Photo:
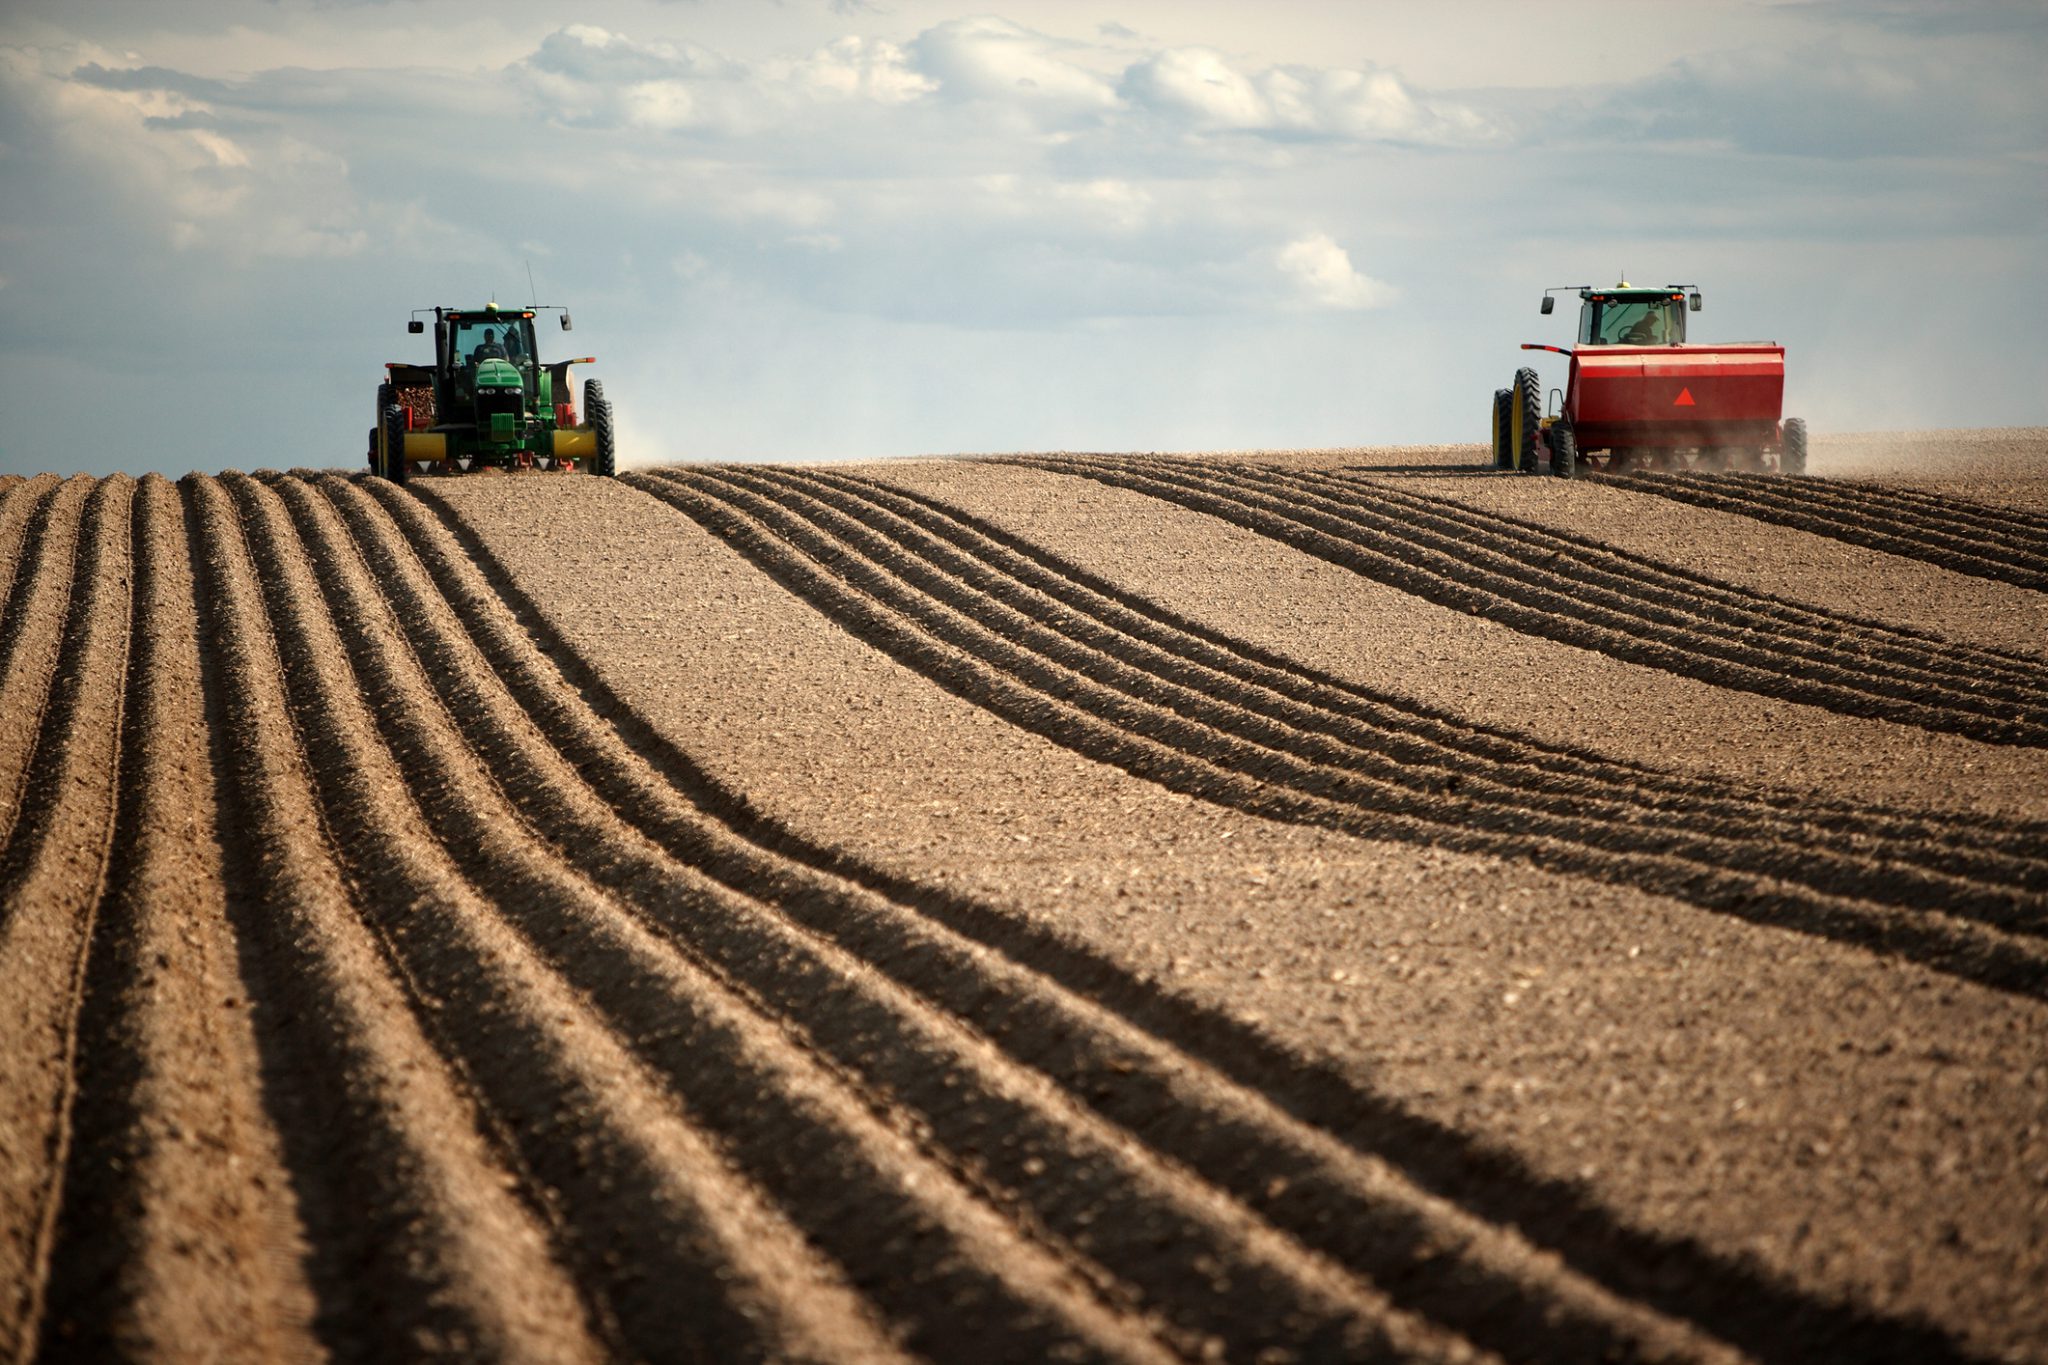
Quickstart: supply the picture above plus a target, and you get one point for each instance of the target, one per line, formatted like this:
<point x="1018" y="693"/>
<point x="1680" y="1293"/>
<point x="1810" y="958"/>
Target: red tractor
<point x="1640" y="397"/>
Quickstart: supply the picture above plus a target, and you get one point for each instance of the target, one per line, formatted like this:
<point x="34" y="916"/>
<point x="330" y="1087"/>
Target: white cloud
<point x="868" y="68"/>
<point x="259" y="192"/>
<point x="1323" y="277"/>
<point x="998" y="61"/>
<point x="1202" y="90"/>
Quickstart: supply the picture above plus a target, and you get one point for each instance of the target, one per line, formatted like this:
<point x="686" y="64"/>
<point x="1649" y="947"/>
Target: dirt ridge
<point x="53" y="869"/>
<point x="886" y="954"/>
<point x="2010" y="545"/>
<point x="1436" y="567"/>
<point x="392" y="989"/>
<point x="1034" y="582"/>
<point x="1044" y="693"/>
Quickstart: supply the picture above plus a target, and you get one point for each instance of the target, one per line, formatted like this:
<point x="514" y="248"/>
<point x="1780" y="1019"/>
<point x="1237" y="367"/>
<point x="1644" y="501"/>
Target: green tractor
<point x="487" y="402"/>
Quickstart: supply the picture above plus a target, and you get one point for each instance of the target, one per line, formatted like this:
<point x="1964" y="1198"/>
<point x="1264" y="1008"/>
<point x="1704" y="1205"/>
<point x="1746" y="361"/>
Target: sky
<point x="825" y="229"/>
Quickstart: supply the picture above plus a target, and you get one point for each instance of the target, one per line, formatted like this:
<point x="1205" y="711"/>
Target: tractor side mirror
<point x="1548" y="303"/>
<point x="1692" y="300"/>
<point x="567" y="326"/>
<point x="415" y="326"/>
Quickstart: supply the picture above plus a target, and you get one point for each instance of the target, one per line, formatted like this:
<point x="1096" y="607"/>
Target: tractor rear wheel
<point x="395" y="465"/>
<point x="1564" y="449"/>
<point x="598" y="412"/>
<point x="1527" y="405"/>
<point x="386" y="396"/>
<point x="1793" y="459"/>
<point x="1503" y="453"/>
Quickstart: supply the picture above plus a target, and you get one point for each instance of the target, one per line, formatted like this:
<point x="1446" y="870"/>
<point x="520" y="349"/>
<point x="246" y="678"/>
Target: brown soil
<point x="1290" y="906"/>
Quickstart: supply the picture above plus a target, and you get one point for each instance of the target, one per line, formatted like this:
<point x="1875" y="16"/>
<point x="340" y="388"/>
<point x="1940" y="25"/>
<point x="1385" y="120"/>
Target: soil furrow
<point x="1057" y="703"/>
<point x="1707" y="603"/>
<point x="1714" y="618"/>
<point x="1416" y="733"/>
<point x="1957" y="521"/>
<point x="1221" y="732"/>
<point x="416" y="1244"/>
<point x="687" y="1256"/>
<point x="2030" y="526"/>
<point x="1869" y="524"/>
<point x="177" y="1215"/>
<point x="1132" y="640"/>
<point x="1449" y="581"/>
<point x="1032" y="1145"/>
<point x="1117" y="1204"/>
<point x="849" y="1183"/>
<point x="52" y="872"/>
<point x="31" y="633"/>
<point x="1941" y="522"/>
<point x="984" y="962"/>
<point x="23" y="503"/>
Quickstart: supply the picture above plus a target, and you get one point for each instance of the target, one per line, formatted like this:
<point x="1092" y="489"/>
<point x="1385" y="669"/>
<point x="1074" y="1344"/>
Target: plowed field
<point x="1304" y="906"/>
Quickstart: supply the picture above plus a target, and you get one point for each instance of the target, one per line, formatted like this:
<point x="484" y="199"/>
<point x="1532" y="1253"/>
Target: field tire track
<point x="416" y="1244"/>
<point x="169" y="1132"/>
<point x="53" y="868"/>
<point x="1912" y="525"/>
<point x="1322" y="724"/>
<point x="1446" y="579"/>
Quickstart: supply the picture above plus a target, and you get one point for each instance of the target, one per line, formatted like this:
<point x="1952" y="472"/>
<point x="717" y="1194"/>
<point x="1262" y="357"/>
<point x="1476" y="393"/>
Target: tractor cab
<point x="1627" y="316"/>
<point x="466" y="344"/>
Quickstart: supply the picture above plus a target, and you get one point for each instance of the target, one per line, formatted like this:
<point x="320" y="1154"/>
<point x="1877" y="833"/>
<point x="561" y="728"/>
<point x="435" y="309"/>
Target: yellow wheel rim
<point x="1515" y="432"/>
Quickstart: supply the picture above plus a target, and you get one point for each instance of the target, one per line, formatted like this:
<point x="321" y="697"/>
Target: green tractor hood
<point x="497" y="374"/>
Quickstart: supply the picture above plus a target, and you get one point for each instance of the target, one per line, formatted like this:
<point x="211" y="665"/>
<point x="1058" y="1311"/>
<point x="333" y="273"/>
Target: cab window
<point x="474" y="339"/>
<point x="1631" y="322"/>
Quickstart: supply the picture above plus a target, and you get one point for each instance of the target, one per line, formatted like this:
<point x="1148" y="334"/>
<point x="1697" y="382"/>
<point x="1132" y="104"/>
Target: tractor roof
<point x="1635" y="291"/>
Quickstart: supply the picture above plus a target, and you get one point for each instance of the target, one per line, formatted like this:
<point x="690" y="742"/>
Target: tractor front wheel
<point x="1503" y="453"/>
<point x="598" y="412"/>
<point x="1527" y="412"/>
<point x="1564" y="449"/>
<point x="1793" y="459"/>
<point x="395" y="466"/>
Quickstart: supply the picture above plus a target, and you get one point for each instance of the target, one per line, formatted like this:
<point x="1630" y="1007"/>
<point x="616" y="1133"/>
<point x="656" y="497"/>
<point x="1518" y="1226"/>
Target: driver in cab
<point x="1647" y="330"/>
<point x="488" y="349"/>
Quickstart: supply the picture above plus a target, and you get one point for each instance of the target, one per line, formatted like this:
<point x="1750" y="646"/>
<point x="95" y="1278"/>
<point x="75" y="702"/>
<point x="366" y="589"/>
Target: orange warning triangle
<point x="1684" y="399"/>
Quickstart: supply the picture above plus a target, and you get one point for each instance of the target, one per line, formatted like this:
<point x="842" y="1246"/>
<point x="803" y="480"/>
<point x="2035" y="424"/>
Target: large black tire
<point x="386" y="396"/>
<point x="1793" y="459"/>
<point x="1527" y="404"/>
<point x="1503" y="453"/>
<point x="598" y="412"/>
<point x="1564" y="449"/>
<point x="395" y="466"/>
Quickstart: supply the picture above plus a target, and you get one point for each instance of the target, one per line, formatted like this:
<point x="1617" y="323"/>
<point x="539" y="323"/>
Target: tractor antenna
<point x="531" y="293"/>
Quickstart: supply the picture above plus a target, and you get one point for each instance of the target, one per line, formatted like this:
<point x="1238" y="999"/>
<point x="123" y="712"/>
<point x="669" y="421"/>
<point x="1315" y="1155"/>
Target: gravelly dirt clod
<point x="1285" y="906"/>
